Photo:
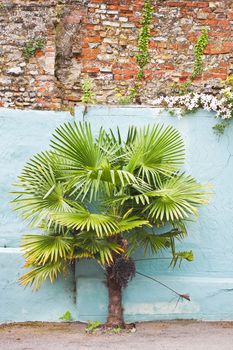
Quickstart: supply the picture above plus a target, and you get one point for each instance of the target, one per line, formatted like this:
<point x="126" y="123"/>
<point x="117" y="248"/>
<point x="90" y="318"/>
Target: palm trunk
<point x="115" y="310"/>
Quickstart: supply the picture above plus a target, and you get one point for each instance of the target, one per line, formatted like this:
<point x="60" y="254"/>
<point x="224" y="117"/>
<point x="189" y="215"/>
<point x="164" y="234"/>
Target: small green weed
<point x="92" y="326"/>
<point x="66" y="316"/>
<point x="32" y="47"/>
<point x="88" y="96"/>
<point x="117" y="330"/>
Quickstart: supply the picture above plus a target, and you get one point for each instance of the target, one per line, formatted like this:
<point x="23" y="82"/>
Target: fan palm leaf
<point x="42" y="193"/>
<point x="176" y="199"/>
<point x="36" y="277"/>
<point x="154" y="151"/>
<point x="42" y="249"/>
<point x="91" y="161"/>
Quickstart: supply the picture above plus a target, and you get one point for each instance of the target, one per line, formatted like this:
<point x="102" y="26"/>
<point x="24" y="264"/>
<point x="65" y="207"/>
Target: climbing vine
<point x="143" y="56"/>
<point x="199" y="48"/>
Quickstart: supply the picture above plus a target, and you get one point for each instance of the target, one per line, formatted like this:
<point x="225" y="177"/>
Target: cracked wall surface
<point x="99" y="39"/>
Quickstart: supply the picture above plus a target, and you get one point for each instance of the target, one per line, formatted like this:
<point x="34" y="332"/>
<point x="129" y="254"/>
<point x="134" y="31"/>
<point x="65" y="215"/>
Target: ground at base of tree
<point x="173" y="335"/>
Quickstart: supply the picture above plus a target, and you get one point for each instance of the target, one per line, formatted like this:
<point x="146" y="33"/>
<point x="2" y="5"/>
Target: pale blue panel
<point x="22" y="134"/>
<point x="19" y="304"/>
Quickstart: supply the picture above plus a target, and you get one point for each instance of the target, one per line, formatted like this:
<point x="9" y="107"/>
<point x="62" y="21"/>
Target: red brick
<point x="176" y="3"/>
<point x="214" y="76"/>
<point x="166" y="66"/>
<point x="72" y="98"/>
<point x="218" y="70"/>
<point x="39" y="53"/>
<point x="218" y="22"/>
<point x="197" y="4"/>
<point x="90" y="70"/>
<point x="88" y="54"/>
<point x="217" y="50"/>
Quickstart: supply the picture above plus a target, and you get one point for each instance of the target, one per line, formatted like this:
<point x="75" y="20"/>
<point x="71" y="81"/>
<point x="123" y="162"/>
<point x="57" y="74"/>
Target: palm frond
<point x="100" y="249"/>
<point x="147" y="240"/>
<point x="131" y="223"/>
<point x="103" y="225"/>
<point x="41" y="192"/>
<point x="37" y="276"/>
<point x="43" y="249"/>
<point x="154" y="151"/>
<point x="181" y="256"/>
<point x="177" y="198"/>
<point x="91" y="161"/>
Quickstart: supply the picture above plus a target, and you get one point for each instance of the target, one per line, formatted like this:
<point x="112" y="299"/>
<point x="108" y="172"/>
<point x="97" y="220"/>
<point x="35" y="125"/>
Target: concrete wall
<point x="22" y="133"/>
<point x="208" y="280"/>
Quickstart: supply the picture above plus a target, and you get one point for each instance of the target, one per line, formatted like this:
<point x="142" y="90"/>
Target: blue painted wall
<point x="22" y="133"/>
<point x="208" y="280"/>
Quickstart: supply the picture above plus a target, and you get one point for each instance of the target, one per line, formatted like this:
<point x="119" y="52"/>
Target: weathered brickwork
<point x="99" y="39"/>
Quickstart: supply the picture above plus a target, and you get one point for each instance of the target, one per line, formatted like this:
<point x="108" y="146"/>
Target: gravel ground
<point x="176" y="335"/>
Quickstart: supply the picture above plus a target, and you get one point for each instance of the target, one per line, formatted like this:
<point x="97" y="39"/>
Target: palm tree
<point x="103" y="198"/>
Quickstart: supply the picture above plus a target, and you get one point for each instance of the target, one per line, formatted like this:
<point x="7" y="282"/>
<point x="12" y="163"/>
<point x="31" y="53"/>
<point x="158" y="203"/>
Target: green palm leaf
<point x="42" y="249"/>
<point x="36" y="277"/>
<point x="154" y="151"/>
<point x="89" y="193"/>
<point x="42" y="193"/>
<point x="147" y="240"/>
<point x="177" y="198"/>
<point x="100" y="249"/>
<point x="91" y="161"/>
<point x="83" y="220"/>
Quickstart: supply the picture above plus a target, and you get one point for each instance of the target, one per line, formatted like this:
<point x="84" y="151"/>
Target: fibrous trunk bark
<point x="115" y="310"/>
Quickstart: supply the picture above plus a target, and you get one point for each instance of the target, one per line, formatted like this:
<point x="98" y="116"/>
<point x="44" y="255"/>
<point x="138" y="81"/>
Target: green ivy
<point x="199" y="48"/>
<point x="32" y="47"/>
<point x="220" y="127"/>
<point x="143" y="57"/>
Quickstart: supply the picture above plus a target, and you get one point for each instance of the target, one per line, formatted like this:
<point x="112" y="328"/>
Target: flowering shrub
<point x="221" y="104"/>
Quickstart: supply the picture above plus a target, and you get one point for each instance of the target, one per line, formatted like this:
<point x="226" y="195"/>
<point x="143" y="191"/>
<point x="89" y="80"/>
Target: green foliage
<point x="116" y="330"/>
<point x="220" y="127"/>
<point x="200" y="46"/>
<point x="143" y="57"/>
<point x="88" y="96"/>
<point x="124" y="99"/>
<point x="92" y="326"/>
<point x="90" y="194"/>
<point x="66" y="316"/>
<point x="180" y="256"/>
<point x="227" y="85"/>
<point x="129" y="97"/>
<point x="33" y="45"/>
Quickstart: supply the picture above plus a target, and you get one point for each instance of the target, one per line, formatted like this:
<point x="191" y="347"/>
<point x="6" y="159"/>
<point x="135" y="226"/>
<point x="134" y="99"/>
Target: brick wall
<point x="99" y="39"/>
